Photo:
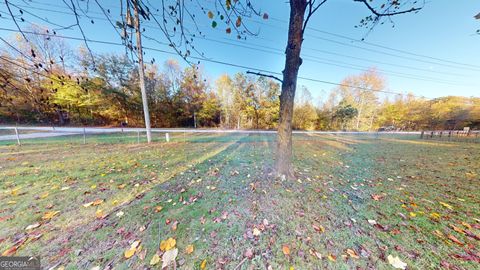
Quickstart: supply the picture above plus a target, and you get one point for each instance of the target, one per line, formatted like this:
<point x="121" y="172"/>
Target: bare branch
<point x="264" y="75"/>
<point x="14" y="20"/>
<point x="383" y="14"/>
<point x="311" y="9"/>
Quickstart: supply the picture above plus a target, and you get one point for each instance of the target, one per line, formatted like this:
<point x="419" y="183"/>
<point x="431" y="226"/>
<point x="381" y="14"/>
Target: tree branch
<point x="311" y="9"/>
<point x="14" y="20"/>
<point x="380" y="14"/>
<point x="264" y="75"/>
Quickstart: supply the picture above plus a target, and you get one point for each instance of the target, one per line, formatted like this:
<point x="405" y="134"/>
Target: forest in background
<point x="52" y="84"/>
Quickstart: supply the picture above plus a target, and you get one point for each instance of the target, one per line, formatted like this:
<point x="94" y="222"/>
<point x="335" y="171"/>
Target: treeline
<point x="45" y="82"/>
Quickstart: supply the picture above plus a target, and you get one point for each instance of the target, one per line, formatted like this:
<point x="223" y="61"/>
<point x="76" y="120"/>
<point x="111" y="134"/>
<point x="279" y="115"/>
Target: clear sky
<point x="407" y="55"/>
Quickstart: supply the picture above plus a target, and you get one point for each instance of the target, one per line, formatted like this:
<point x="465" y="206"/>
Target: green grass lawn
<point x="356" y="200"/>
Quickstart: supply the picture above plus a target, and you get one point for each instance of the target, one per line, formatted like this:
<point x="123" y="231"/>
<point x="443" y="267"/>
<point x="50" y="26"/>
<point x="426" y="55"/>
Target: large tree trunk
<point x="289" y="85"/>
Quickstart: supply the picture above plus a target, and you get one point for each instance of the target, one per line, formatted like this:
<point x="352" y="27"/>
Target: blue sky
<point x="444" y="29"/>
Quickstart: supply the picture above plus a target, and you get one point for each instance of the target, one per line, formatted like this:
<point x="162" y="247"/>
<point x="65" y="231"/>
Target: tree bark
<point x="289" y="85"/>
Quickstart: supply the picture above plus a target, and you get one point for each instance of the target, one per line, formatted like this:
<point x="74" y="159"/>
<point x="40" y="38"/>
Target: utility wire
<point x="224" y="63"/>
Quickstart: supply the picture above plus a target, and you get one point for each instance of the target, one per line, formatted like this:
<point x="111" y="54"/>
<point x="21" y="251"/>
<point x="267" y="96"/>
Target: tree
<point x="300" y="13"/>
<point x="344" y="113"/>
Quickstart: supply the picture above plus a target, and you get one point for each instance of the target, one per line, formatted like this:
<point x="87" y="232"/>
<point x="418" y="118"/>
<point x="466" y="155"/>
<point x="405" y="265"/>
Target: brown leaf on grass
<point x="455" y="240"/>
<point x="471" y="234"/>
<point x="158" y="209"/>
<point x="318" y="228"/>
<point x="315" y="253"/>
<point x="455" y="228"/>
<point x="377" y="197"/>
<point x="15" y="247"/>
<point x="286" y="250"/>
<point x="352" y="253"/>
<point x="189" y="249"/>
<point x="332" y="257"/>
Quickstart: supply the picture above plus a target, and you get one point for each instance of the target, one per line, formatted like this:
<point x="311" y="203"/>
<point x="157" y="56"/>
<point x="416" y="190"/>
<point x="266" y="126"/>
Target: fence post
<point x="138" y="136"/>
<point x="84" y="136"/>
<point x="18" y="136"/>
<point x="431" y="134"/>
<point x="167" y="137"/>
<point x="421" y="134"/>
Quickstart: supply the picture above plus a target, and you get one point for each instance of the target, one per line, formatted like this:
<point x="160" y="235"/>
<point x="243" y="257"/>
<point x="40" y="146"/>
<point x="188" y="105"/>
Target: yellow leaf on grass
<point x="168" y="244"/>
<point x="14" y="192"/>
<point x="50" y="214"/>
<point x="256" y="232"/>
<point x="189" y="249"/>
<point x="203" y="264"/>
<point x="155" y="259"/>
<point x="158" y="209"/>
<point x="286" y="250"/>
<point x="44" y="195"/>
<point x="122" y="186"/>
<point x="332" y="257"/>
<point x="446" y="205"/>
<point x="412" y="214"/>
<point x="435" y="215"/>
<point x="99" y="213"/>
<point x="129" y="253"/>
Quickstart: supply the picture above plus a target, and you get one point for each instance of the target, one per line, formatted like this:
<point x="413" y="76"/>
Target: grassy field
<point x="356" y="202"/>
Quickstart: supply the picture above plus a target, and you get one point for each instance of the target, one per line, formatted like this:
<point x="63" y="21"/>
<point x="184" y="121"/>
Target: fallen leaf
<point x="332" y="257"/>
<point x="33" y="226"/>
<point x="286" y="250"/>
<point x="129" y="253"/>
<point x="455" y="240"/>
<point x="168" y="244"/>
<point x="50" y="214"/>
<point x="203" y="264"/>
<point x="155" y="259"/>
<point x="446" y="205"/>
<point x="318" y="228"/>
<point x="256" y="232"/>
<point x="189" y="249"/>
<point x="352" y="253"/>
<point x="97" y="202"/>
<point x="372" y="222"/>
<point x="396" y="262"/>
<point x="169" y="257"/>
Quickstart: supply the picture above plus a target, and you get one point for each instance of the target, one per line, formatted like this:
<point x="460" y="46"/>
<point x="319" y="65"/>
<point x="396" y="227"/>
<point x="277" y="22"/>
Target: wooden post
<point x="141" y="71"/>
<point x="84" y="136"/>
<point x="138" y="136"/>
<point x="18" y="136"/>
<point x="421" y="134"/>
<point x="167" y="137"/>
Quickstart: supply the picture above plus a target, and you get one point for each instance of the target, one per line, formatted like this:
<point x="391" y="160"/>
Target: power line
<point x="331" y="62"/>
<point x="223" y="63"/>
<point x="470" y="67"/>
